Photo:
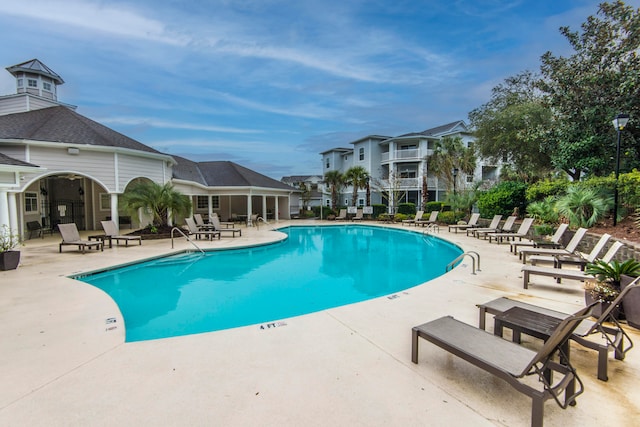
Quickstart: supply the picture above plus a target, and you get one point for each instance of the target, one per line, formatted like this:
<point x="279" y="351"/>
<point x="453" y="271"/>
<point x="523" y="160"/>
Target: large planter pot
<point x="631" y="302"/>
<point x="9" y="260"/>
<point x="600" y="307"/>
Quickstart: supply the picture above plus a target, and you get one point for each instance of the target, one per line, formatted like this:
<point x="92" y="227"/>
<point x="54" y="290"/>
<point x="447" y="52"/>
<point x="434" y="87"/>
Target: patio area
<point x="63" y="364"/>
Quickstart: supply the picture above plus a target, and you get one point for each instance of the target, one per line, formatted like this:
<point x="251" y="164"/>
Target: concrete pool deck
<point x="63" y="364"/>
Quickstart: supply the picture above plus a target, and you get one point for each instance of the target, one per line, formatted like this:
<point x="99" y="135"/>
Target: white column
<point x="114" y="211"/>
<point x="264" y="207"/>
<point x="4" y="208"/>
<point x="13" y="212"/>
<point x="209" y="203"/>
<point x="276" y="211"/>
<point x="249" y="210"/>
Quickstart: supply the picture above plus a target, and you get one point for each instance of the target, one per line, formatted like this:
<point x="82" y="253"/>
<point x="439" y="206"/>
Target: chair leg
<point x="603" y="356"/>
<point x="537" y="411"/>
<point x="414" y="346"/>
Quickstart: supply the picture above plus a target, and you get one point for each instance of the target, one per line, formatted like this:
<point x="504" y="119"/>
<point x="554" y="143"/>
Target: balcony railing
<point x="414" y="154"/>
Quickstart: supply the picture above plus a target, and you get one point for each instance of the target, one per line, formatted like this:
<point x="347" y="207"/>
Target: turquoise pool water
<point x="315" y="268"/>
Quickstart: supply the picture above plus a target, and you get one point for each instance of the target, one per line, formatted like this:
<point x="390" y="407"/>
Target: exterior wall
<point x="93" y="164"/>
<point x="131" y="167"/>
<point x="23" y="102"/>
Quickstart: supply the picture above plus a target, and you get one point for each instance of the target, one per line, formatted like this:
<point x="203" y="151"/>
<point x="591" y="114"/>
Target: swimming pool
<point x="315" y="268"/>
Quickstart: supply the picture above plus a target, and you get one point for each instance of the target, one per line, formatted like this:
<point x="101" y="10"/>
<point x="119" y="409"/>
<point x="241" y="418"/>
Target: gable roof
<point x="36" y="67"/>
<point x="10" y="161"/>
<point x="62" y="125"/>
<point x="441" y="130"/>
<point x="223" y="174"/>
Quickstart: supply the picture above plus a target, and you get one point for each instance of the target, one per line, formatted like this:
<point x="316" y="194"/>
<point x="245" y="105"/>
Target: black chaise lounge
<point x="595" y="335"/>
<point x="509" y="361"/>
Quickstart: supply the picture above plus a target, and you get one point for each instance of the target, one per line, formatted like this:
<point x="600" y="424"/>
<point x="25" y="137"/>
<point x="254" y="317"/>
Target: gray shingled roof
<point x="60" y="124"/>
<point x="438" y="130"/>
<point x="223" y="174"/>
<point x="37" y="67"/>
<point x="6" y="160"/>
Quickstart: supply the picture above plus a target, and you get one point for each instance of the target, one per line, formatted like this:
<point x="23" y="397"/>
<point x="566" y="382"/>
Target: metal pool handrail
<point x="185" y="236"/>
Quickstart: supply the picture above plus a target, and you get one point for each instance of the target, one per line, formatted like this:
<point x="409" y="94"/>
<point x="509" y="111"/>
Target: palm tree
<point x="157" y="198"/>
<point x="449" y="154"/>
<point x="357" y="177"/>
<point x="335" y="181"/>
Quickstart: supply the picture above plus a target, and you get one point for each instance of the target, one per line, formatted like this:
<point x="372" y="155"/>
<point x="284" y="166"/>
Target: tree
<point x="358" y="178"/>
<point x="305" y="195"/>
<point x="587" y="89"/>
<point x="158" y="199"/>
<point x="449" y="153"/>
<point x="335" y="180"/>
<point x="513" y="126"/>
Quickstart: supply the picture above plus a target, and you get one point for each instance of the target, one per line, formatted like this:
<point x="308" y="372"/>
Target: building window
<point x="20" y="82"/>
<point x="105" y="202"/>
<point x="470" y="178"/>
<point x="361" y="154"/>
<point x="46" y="86"/>
<point x="32" y="83"/>
<point x="31" y="202"/>
<point x="328" y="164"/>
<point x="361" y="202"/>
<point x="202" y="202"/>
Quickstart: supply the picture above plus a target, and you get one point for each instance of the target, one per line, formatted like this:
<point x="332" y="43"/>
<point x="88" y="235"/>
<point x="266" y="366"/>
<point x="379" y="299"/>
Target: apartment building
<point x="397" y="165"/>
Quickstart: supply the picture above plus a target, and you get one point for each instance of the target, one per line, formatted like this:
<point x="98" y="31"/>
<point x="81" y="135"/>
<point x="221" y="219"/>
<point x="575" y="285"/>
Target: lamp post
<point x="619" y="123"/>
<point x="454" y="171"/>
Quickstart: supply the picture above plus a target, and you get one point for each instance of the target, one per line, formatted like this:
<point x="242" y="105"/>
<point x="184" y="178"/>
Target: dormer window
<point x="46" y="86"/>
<point x="20" y="82"/>
<point x="32" y="83"/>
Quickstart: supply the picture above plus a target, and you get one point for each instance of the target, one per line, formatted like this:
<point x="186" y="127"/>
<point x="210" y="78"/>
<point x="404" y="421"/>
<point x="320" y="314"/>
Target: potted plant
<point x="608" y="277"/>
<point x="9" y="259"/>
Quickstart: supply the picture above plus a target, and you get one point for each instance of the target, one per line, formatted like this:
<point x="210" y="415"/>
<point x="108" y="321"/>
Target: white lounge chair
<point x="418" y="217"/>
<point x="217" y="227"/>
<point x="433" y="217"/>
<point x="495" y="222"/>
<point x="193" y="229"/>
<point x="342" y="215"/>
<point x="111" y="233"/>
<point x="521" y="233"/>
<point x="571" y="247"/>
<point x="70" y="236"/>
<point x="473" y="221"/>
<point x="506" y="228"/>
<point x="553" y="243"/>
<point x="560" y="273"/>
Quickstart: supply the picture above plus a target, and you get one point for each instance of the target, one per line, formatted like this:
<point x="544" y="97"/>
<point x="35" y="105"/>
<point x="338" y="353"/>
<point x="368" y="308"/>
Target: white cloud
<point x="152" y="122"/>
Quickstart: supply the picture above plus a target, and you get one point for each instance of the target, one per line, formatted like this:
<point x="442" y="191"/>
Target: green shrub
<point x="450" y="217"/>
<point x="543" y="189"/>
<point x="544" y="210"/>
<point x="407" y="208"/>
<point x="502" y="199"/>
<point x="326" y="211"/>
<point x="583" y="206"/>
<point x="544" y="230"/>
<point x="399" y="217"/>
<point x="433" y="206"/>
<point x="379" y="210"/>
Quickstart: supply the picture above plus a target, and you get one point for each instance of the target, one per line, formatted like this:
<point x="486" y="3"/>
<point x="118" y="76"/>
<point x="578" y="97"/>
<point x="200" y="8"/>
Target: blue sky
<point x="270" y="84"/>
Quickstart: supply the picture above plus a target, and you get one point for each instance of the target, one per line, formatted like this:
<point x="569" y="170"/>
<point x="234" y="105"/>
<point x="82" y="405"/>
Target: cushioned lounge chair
<point x="473" y="222"/>
<point x="595" y="335"/>
<point x="520" y="233"/>
<point x="70" y="236"/>
<point x="111" y="233"/>
<point x="510" y="361"/>
<point x="560" y="273"/>
<point x="433" y="217"/>
<point x="495" y="222"/>
<point x="342" y="215"/>
<point x="506" y="228"/>
<point x="553" y="243"/>
<point x="217" y="227"/>
<point x="193" y="229"/>
<point x="418" y="217"/>
<point x="571" y="247"/>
